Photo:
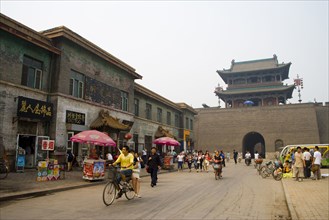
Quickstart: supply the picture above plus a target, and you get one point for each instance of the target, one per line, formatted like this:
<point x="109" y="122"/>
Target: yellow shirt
<point x="125" y="161"/>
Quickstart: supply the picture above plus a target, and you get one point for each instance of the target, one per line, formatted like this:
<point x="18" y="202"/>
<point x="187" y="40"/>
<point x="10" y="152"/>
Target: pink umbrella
<point x="166" y="141"/>
<point x="93" y="137"/>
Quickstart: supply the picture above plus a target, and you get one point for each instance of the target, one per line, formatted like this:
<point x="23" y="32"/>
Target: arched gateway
<point x="252" y="142"/>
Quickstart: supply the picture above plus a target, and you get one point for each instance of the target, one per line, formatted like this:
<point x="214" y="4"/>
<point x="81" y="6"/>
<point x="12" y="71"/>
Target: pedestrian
<point x="235" y="156"/>
<point x="70" y="158"/>
<point x="189" y="161"/>
<point x="307" y="157"/>
<point x="316" y="164"/>
<point x="228" y="156"/>
<point x="136" y="173"/>
<point x="223" y="157"/>
<point x="109" y="158"/>
<point x="195" y="160"/>
<point x="154" y="164"/>
<point x="299" y="165"/>
<point x="180" y="161"/>
<point x="199" y="162"/>
<point x="207" y="160"/>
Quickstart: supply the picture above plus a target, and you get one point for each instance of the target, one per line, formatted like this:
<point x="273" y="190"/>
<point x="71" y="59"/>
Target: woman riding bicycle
<point x="217" y="165"/>
<point x="126" y="161"/>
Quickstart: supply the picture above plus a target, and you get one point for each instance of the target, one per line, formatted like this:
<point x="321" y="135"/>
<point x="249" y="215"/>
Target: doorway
<point x="252" y="142"/>
<point x="32" y="145"/>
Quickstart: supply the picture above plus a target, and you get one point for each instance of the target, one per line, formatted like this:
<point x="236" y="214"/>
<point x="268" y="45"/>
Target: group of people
<point x="201" y="161"/>
<point x="302" y="162"/>
<point x="131" y="164"/>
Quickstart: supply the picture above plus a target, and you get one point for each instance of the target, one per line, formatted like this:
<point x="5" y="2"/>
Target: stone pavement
<point x="20" y="185"/>
<point x="308" y="199"/>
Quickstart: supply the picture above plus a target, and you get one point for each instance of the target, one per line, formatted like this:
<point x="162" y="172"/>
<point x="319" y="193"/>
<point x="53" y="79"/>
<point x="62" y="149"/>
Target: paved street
<point x="241" y="194"/>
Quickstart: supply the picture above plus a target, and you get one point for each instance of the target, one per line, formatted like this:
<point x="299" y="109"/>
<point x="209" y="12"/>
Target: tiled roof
<point x="255" y="90"/>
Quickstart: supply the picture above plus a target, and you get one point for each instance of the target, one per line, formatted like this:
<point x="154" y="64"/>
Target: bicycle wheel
<point x="263" y="172"/>
<point x="109" y="193"/>
<point x="3" y="171"/>
<point x="278" y="176"/>
<point x="129" y="193"/>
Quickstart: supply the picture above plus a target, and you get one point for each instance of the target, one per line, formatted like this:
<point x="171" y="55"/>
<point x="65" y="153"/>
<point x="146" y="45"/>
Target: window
<point x="159" y="115"/>
<point x="77" y="84"/>
<point x="187" y="123"/>
<point x="124" y="101"/>
<point x="168" y="118"/>
<point x="32" y="73"/>
<point x="176" y="120"/>
<point x="148" y="111"/>
<point x="136" y="107"/>
<point x="191" y="124"/>
<point x="278" y="145"/>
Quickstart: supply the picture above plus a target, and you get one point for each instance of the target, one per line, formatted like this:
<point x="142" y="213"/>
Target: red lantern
<point x="128" y="136"/>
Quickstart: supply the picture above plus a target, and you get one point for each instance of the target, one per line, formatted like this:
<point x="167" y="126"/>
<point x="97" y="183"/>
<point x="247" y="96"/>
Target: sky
<point x="177" y="46"/>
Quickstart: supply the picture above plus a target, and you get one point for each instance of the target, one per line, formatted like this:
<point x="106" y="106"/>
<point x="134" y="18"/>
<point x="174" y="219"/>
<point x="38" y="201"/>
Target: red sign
<point x="48" y="144"/>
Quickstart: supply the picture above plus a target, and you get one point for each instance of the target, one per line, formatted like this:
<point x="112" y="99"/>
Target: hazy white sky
<point x="177" y="46"/>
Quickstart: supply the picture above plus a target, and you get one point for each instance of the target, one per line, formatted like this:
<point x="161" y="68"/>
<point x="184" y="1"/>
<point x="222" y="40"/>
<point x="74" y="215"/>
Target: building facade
<point x="269" y="123"/>
<point x="55" y="84"/>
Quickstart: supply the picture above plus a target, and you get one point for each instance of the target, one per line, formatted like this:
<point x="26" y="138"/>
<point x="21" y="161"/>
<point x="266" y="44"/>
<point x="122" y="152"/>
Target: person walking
<point x="154" y="163"/>
<point x="235" y="156"/>
<point x="136" y="173"/>
<point x="316" y="164"/>
<point x="180" y="161"/>
<point x="299" y="165"/>
<point x="223" y="158"/>
<point x="307" y="157"/>
<point x="189" y="160"/>
<point x="207" y="160"/>
<point x="70" y="158"/>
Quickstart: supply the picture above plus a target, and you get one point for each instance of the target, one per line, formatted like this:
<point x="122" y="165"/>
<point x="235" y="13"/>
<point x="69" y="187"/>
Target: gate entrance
<point x="253" y="142"/>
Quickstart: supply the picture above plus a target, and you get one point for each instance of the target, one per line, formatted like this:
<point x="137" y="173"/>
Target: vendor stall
<point x="93" y="167"/>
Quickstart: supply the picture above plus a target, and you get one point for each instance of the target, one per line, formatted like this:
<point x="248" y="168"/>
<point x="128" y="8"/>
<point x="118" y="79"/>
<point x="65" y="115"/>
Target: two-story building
<point x="55" y="83"/>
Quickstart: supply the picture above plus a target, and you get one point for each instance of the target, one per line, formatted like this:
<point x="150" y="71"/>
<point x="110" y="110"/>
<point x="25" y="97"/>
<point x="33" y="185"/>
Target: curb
<point x="291" y="209"/>
<point x="45" y="192"/>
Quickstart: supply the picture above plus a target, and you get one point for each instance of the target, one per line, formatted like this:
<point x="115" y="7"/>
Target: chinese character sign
<point x="75" y="118"/>
<point x="48" y="145"/>
<point x="35" y="109"/>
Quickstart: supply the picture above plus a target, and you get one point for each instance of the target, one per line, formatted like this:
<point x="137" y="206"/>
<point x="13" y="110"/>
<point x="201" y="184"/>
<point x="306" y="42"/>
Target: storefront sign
<point x="48" y="145"/>
<point x="35" y="109"/>
<point x="75" y="118"/>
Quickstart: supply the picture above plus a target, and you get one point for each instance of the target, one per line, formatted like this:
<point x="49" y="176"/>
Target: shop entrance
<point x="32" y="146"/>
<point x="252" y="142"/>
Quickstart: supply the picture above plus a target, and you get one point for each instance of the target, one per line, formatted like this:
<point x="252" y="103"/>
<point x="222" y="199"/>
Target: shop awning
<point x="106" y="120"/>
<point x="161" y="132"/>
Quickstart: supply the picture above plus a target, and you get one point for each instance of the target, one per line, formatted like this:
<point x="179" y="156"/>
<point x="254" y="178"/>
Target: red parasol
<point x="166" y="141"/>
<point x="93" y="137"/>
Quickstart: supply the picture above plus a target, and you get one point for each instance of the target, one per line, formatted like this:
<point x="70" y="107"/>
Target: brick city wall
<point x="225" y="129"/>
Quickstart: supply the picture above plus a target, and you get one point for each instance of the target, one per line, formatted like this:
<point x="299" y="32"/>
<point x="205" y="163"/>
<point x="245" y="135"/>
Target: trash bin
<point x="20" y="160"/>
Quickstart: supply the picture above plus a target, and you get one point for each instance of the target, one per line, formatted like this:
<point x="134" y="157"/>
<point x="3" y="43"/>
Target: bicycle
<point x="4" y="170"/>
<point x="111" y="189"/>
<point x="272" y="168"/>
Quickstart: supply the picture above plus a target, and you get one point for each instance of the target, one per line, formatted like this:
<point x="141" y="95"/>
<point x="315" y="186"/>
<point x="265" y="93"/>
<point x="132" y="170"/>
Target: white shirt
<point x="307" y="155"/>
<point x="256" y="156"/>
<point x="317" y="157"/>
<point x="180" y="158"/>
<point x="109" y="156"/>
<point x="248" y="155"/>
